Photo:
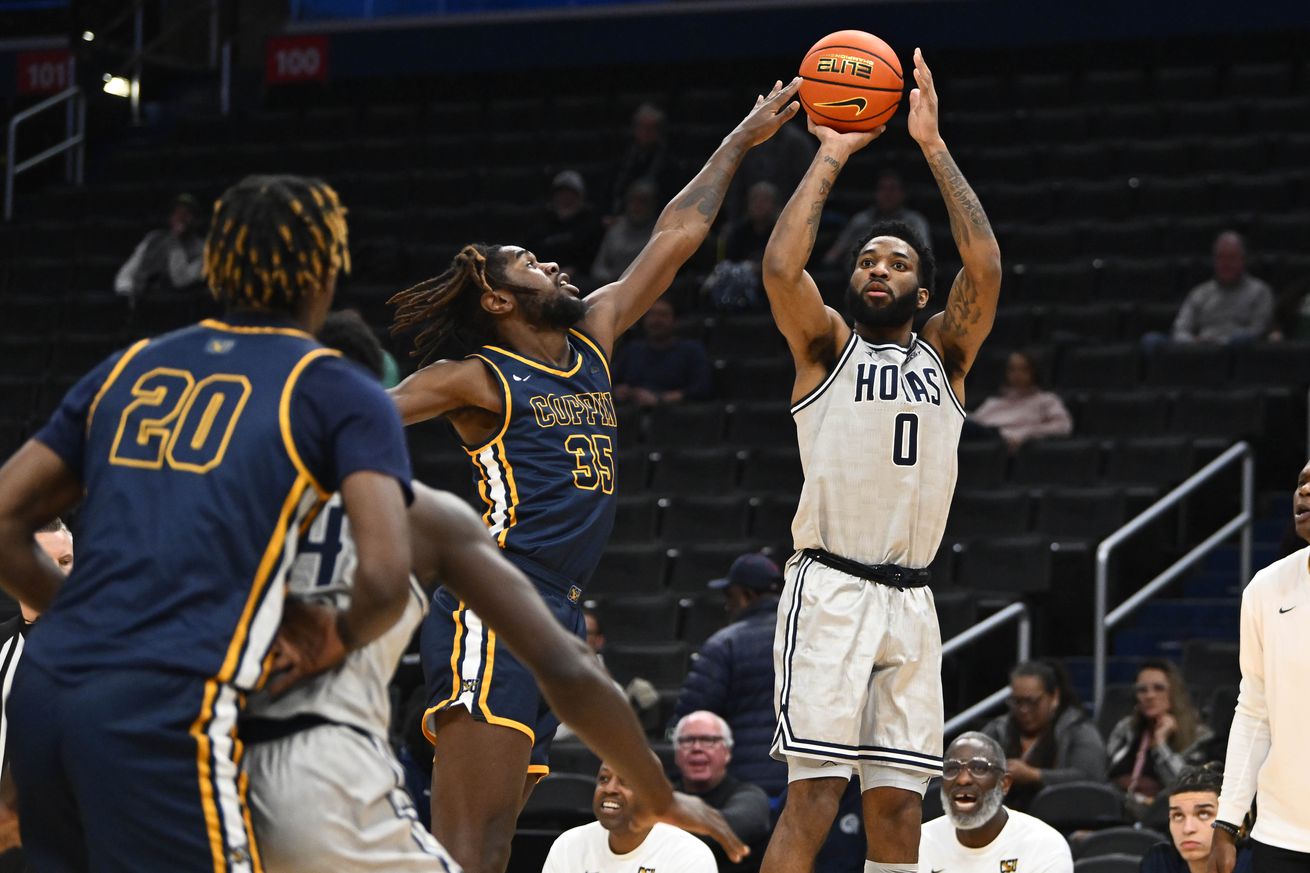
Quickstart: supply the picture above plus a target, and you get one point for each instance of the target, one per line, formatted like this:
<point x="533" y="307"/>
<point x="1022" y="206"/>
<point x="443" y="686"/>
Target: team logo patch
<point x="645" y="870"/>
<point x="575" y="594"/>
<point x="1009" y="865"/>
<point x="219" y="346"/>
<point x="468" y="686"/>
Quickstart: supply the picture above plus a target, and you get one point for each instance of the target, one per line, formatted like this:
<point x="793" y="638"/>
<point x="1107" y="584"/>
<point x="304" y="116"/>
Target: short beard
<point x="895" y="314"/>
<point x="988" y="805"/>
<point x="558" y="312"/>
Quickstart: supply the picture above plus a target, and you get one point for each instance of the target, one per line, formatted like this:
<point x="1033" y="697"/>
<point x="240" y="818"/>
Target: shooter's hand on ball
<point x="846" y="143"/>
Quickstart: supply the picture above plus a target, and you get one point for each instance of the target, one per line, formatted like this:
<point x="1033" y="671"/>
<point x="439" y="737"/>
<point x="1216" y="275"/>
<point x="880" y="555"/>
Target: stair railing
<point x="1106" y="619"/>
<point x="1015" y="612"/>
<point x="74" y="141"/>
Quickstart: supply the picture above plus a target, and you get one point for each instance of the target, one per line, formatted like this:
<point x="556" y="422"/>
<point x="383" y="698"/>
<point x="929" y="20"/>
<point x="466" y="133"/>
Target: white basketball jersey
<point x="878" y="444"/>
<point x="355" y="693"/>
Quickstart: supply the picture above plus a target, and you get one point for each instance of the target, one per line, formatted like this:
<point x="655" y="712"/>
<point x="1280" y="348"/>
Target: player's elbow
<point x="776" y="270"/>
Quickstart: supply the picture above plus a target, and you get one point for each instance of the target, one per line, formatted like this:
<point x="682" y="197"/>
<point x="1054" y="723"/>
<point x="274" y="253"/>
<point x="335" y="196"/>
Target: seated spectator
<point x="640" y="692"/>
<point x="627" y="236"/>
<point x="888" y="205"/>
<point x="978" y="834"/>
<point x="647" y="158"/>
<point x="169" y="259"/>
<point x="660" y="367"/>
<point x="733" y="675"/>
<point x="614" y="844"/>
<point x="703" y="748"/>
<point x="734" y="283"/>
<point x="1233" y="306"/>
<point x="1047" y="737"/>
<point x="1292" y="312"/>
<point x="1022" y="411"/>
<point x="1193" y="806"/>
<point x="1145" y="748"/>
<point x="571" y="232"/>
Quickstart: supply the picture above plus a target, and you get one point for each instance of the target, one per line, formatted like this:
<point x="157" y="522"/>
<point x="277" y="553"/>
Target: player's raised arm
<point x="971" y="306"/>
<point x="444" y="387"/>
<point x="813" y="331"/>
<point x="451" y="547"/>
<point x="685" y="221"/>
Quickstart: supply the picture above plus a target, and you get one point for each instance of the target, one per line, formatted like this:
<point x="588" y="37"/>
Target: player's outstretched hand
<point x="849" y="143"/>
<point x="922" y="121"/>
<point x="770" y="113"/>
<point x="694" y="815"/>
<point x="307" y="644"/>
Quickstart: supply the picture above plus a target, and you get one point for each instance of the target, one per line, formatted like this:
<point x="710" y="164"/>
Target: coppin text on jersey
<point x="572" y="409"/>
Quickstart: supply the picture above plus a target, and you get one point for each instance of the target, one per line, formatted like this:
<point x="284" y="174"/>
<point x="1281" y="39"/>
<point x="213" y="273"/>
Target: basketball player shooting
<point x="878" y="411"/>
<point x="532" y="405"/>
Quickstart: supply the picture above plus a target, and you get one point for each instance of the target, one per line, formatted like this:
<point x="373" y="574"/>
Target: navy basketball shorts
<point x="128" y="770"/>
<point x="466" y="665"/>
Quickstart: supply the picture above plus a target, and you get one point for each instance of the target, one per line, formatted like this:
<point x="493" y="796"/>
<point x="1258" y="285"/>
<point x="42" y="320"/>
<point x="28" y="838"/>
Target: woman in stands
<point x="1022" y="410"/>
<point x="1047" y="737"/>
<point x="1146" y="746"/>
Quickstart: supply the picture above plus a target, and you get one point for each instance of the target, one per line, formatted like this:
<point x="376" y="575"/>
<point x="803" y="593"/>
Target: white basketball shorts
<point x="333" y="798"/>
<point x="857" y="683"/>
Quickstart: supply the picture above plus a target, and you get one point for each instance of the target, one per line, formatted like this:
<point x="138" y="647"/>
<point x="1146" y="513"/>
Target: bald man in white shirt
<point x="1266" y="747"/>
<point x="978" y="834"/>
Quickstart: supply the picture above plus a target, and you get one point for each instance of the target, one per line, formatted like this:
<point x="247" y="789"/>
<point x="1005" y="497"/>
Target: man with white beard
<point x="978" y="834"/>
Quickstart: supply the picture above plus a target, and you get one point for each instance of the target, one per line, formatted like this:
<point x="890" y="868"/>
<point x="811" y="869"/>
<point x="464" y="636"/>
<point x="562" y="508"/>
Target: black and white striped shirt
<point x="12" y="633"/>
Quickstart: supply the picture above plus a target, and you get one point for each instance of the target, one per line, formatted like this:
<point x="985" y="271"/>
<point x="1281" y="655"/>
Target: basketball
<point x="852" y="81"/>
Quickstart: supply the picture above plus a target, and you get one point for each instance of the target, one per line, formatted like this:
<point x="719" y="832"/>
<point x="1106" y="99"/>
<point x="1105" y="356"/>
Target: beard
<point x="559" y="312"/>
<point x="988" y="805"/>
<point x="896" y="313"/>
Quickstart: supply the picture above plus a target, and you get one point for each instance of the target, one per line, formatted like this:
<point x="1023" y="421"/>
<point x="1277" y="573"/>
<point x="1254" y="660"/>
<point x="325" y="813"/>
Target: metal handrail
<point x="72" y="141"/>
<point x="1104" y="618"/>
<point x="1015" y="612"/>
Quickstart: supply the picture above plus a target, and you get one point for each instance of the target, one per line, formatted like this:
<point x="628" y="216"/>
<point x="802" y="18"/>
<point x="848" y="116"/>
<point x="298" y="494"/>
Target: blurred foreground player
<point x="878" y="414"/>
<point x="534" y="410"/>
<point x="200" y="453"/>
<point x="1273" y="710"/>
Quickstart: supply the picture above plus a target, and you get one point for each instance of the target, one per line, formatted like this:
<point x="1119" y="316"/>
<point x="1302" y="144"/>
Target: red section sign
<point x="296" y="59"/>
<point x="44" y="72"/>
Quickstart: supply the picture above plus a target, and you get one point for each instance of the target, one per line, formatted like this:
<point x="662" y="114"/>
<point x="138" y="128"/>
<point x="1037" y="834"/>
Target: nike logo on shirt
<point x="1289" y="609"/>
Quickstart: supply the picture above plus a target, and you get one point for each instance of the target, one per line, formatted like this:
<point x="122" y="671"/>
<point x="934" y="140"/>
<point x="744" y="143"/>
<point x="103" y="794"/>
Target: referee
<point x="1266" y="745"/>
<point x="57" y="542"/>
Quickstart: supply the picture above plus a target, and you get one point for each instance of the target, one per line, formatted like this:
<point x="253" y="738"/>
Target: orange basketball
<point x="852" y="81"/>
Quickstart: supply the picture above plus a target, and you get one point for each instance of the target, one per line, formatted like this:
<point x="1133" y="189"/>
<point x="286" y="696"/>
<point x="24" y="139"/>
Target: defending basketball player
<point x="532" y="405"/>
<point x="878" y="415"/>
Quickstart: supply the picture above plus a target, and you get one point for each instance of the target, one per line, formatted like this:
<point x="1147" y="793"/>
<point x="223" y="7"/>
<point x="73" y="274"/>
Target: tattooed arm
<point x="814" y="332"/>
<point x="959" y="331"/>
<point x="684" y="223"/>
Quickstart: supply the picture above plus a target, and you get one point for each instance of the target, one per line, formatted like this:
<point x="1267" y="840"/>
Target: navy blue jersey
<point x="200" y="451"/>
<point x="548" y="476"/>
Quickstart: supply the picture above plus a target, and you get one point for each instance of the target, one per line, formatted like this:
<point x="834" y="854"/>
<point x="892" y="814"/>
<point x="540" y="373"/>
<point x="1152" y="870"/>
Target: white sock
<point x="881" y="867"/>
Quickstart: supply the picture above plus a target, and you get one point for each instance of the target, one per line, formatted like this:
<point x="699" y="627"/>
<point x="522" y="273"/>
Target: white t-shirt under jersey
<point x="1024" y="845"/>
<point x="666" y="849"/>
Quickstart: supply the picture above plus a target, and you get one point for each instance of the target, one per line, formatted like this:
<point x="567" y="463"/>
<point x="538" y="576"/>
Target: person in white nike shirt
<point x="1267" y="742"/>
<point x="612" y="844"/>
<point x="978" y="834"/>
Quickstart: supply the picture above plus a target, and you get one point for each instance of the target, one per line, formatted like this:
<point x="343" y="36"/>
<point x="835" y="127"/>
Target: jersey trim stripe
<point x="823" y="386"/>
<point x="509" y="407"/>
<point x="215" y="324"/>
<point x="10" y="653"/>
<point x="284" y="415"/>
<point x="497" y="490"/>
<point x="595" y="347"/>
<point x="546" y="368"/>
<point x="945" y="376"/>
<point x="491" y="717"/>
<point x="113" y="377"/>
<point x="232" y="662"/>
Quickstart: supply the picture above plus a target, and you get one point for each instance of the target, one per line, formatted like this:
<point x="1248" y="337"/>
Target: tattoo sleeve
<point x="968" y="221"/>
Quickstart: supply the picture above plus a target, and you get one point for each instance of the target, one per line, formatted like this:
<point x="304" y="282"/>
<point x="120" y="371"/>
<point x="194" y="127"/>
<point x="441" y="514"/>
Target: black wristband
<point x="1227" y="827"/>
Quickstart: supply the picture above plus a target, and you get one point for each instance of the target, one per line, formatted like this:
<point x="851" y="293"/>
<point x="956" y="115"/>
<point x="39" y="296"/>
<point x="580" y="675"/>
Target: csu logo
<point x="1009" y="865"/>
<point x="468" y="686"/>
<point x="645" y="870"/>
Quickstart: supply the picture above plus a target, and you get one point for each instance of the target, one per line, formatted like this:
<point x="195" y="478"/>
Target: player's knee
<point x="896" y="809"/>
<point x="814" y="799"/>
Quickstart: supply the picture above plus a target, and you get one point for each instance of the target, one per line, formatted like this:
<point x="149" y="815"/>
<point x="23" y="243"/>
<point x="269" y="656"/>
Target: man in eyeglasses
<point x="703" y="744"/>
<point x="978" y="834"/>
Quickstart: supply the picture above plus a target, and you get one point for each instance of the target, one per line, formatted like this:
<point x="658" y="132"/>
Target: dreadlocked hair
<point x="275" y="241"/>
<point x="447" y="308"/>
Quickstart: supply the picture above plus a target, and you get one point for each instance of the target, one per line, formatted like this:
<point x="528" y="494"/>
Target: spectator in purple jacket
<point x="660" y="367"/>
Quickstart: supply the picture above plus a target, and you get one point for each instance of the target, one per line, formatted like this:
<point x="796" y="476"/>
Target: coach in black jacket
<point x="733" y="675"/>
